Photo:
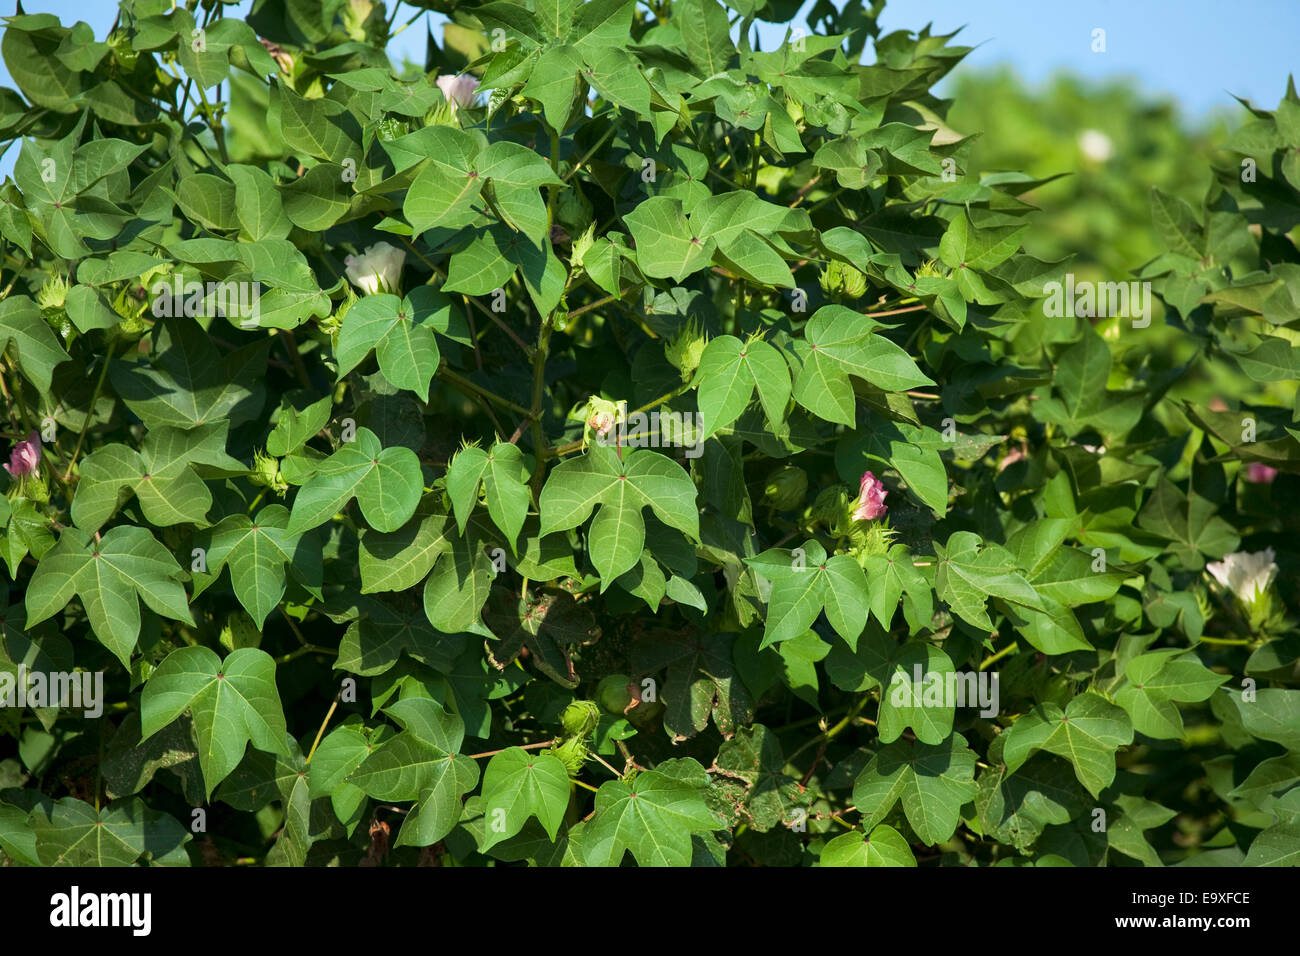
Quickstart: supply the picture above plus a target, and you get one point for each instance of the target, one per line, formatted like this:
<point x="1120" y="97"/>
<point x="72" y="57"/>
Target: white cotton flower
<point x="1095" y="145"/>
<point x="459" y="90"/>
<point x="378" y="269"/>
<point x="1245" y="574"/>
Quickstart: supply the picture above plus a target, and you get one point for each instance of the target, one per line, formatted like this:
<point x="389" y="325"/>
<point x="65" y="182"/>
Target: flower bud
<point x="53" y="293"/>
<point x="266" y="473"/>
<point x="599" y="417"/>
<point x="572" y="752"/>
<point x="25" y="457"/>
<point x="843" y="279"/>
<point x="580" y="718"/>
<point x="871" y="499"/>
<point x="686" y="348"/>
<point x="582" y="245"/>
<point x="786" y="487"/>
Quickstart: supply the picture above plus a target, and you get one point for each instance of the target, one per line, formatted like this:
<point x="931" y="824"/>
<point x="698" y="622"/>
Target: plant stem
<point x="323" y="724"/>
<point x="465" y="384"/>
<point x="493" y="753"/>
<point x="1009" y="649"/>
<point x="539" y="390"/>
<point x="291" y="346"/>
<point x="90" y="413"/>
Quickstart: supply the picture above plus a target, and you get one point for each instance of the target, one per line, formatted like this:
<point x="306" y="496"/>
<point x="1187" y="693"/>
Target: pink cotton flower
<point x="25" y="456"/>
<point x="459" y="90"/>
<point x="871" y="499"/>
<point x="1260" y="474"/>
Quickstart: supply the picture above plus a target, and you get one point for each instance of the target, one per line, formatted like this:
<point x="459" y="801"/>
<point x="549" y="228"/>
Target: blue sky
<point x="1196" y="52"/>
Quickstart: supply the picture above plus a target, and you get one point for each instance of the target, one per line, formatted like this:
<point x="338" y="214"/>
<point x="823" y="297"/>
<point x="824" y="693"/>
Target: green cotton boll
<point x="613" y="694"/>
<point x="580" y="718"/>
<point x="786" y="487"/>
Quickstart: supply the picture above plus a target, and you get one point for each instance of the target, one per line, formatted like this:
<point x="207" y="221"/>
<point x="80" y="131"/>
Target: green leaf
<point x="187" y="383"/>
<point x="161" y="476"/>
<point x="666" y="246"/>
<point x="386" y="482"/>
<point x="1277" y="846"/>
<point x="652" y="818"/>
<point x="515" y="172"/>
<point x="108" y="575"/>
<point x="256" y="551"/>
<point x="1190" y="522"/>
<point x="730" y="371"/>
<point x="75" y="834"/>
<point x="503" y="476"/>
<point x="965" y="247"/>
<point x="622" y="487"/>
<point x="837" y="343"/>
<point x="1087" y="733"/>
<point x="455" y="592"/>
<point x="883" y="846"/>
<point x="805" y="584"/>
<point x="966" y="574"/>
<point x="933" y="781"/>
<point x="1080" y="396"/>
<point x="401" y="334"/>
<point x="257" y="204"/>
<point x="443" y="193"/>
<point x="400" y="559"/>
<point x="409" y="768"/>
<point x="232" y="702"/>
<point x="23" y="329"/>
<point x="518" y="785"/>
<point x="297" y="427"/>
<point x="706" y="34"/>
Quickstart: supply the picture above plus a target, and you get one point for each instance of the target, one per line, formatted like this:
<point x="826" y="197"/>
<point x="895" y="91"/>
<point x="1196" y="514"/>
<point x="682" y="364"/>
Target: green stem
<point x="214" y="124"/>
<point x="461" y="382"/>
<point x="1009" y="649"/>
<point x="540" y="447"/>
<point x="833" y="732"/>
<point x="90" y="413"/>
<point x="588" y="154"/>
<point x="321" y="733"/>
